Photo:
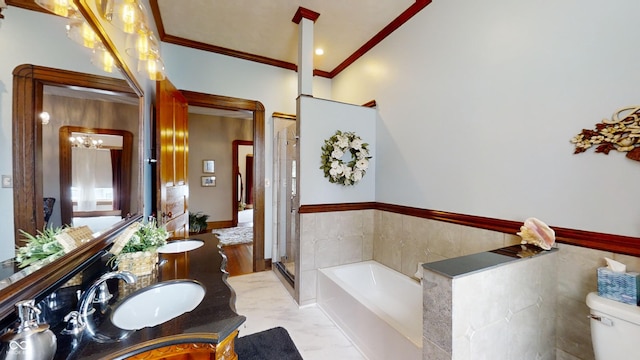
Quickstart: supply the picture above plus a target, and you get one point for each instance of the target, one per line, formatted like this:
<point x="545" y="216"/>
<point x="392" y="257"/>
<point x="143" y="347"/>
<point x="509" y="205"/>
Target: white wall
<point x="318" y="120"/>
<point x="478" y="102"/>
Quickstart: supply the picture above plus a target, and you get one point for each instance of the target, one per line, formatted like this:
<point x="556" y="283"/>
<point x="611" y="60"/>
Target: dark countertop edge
<point x="501" y="259"/>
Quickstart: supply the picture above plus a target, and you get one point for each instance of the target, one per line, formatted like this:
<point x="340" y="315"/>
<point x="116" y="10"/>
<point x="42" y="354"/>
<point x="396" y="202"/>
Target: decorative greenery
<point x="335" y="168"/>
<point x="40" y="246"/>
<point x="149" y="237"/>
<point x="621" y="133"/>
<point x="198" y="222"/>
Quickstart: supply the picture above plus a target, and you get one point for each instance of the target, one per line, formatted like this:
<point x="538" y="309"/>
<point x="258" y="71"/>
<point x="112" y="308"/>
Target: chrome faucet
<point x="79" y="320"/>
<point x="100" y="284"/>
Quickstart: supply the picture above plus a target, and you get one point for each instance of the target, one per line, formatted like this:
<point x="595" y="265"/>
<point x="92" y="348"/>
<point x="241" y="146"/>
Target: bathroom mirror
<point x="96" y="171"/>
<point x="31" y="85"/>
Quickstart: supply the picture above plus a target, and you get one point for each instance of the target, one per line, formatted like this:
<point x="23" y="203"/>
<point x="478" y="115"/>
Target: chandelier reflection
<point x="85" y="142"/>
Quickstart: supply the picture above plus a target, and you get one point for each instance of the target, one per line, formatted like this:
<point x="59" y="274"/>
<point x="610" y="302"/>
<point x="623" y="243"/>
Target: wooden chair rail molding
<point x="607" y="242"/>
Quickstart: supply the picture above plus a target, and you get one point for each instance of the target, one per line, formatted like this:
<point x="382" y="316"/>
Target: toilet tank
<point x="615" y="329"/>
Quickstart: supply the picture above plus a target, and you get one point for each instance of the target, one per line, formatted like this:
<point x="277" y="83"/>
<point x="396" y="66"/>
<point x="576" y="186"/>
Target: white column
<point x="305" y="57"/>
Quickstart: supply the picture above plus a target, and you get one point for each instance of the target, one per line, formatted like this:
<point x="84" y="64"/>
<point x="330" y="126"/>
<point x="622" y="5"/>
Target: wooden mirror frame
<point x="28" y="84"/>
<point x="66" y="205"/>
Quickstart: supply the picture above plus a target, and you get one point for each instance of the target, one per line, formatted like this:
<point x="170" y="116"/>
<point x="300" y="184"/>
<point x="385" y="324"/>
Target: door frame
<point x="259" y="174"/>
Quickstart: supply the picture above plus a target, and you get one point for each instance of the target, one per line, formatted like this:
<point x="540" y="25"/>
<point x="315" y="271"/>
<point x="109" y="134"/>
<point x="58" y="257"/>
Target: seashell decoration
<point x="535" y="232"/>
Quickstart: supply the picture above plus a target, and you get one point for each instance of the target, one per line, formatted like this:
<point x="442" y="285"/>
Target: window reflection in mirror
<point x="95" y="176"/>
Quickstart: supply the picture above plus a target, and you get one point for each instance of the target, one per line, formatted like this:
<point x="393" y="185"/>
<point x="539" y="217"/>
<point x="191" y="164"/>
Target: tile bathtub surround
<point x="330" y="239"/>
<point x="505" y="311"/>
<point x="264" y="301"/>
<point x="401" y="242"/>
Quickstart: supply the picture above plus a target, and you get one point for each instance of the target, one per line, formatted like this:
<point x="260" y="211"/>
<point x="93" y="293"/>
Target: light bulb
<point x="128" y="16"/>
<point x="65" y="8"/>
<point x="44" y="117"/>
<point x="107" y="61"/>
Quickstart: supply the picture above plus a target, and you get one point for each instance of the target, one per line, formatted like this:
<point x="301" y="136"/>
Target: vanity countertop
<point x="213" y="320"/>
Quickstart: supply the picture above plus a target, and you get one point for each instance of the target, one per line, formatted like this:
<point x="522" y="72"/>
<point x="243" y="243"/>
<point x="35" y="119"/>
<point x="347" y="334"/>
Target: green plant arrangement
<point x="135" y="249"/>
<point x="149" y="237"/>
<point x="337" y="170"/>
<point x="43" y="245"/>
<point x="198" y="222"/>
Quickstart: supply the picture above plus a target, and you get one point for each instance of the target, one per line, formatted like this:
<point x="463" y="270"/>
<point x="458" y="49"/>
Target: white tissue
<point x="615" y="266"/>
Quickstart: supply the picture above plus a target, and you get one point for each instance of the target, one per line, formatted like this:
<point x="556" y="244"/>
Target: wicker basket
<point x="139" y="263"/>
<point x="125" y="289"/>
<point x="74" y="281"/>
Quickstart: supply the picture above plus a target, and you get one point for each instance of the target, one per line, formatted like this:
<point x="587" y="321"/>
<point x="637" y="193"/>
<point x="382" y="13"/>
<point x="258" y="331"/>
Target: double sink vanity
<point x="182" y="310"/>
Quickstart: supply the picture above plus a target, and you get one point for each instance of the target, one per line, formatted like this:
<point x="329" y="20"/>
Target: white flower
<point x="362" y="164"/>
<point x="343" y="142"/>
<point x="362" y="154"/>
<point x="347" y="171"/>
<point x="357" y="175"/>
<point x="333" y="172"/>
<point x="337" y="154"/>
<point x="356" y="143"/>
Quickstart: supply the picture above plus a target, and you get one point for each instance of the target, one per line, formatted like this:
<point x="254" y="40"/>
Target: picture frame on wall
<point x="208" y="166"/>
<point x="208" y="181"/>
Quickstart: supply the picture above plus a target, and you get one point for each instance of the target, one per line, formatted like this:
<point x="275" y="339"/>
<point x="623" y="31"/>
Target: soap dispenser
<point x="30" y="340"/>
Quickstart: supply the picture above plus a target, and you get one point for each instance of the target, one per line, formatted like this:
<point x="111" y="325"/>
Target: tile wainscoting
<point x="402" y="241"/>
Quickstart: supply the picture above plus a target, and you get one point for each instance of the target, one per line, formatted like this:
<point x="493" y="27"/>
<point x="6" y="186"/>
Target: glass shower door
<point x="287" y="202"/>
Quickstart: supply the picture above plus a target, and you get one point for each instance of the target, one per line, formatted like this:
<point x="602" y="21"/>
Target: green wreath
<point x="339" y="171"/>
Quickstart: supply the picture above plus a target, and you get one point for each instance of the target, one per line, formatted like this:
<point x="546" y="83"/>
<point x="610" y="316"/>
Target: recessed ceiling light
<point x="319" y="51"/>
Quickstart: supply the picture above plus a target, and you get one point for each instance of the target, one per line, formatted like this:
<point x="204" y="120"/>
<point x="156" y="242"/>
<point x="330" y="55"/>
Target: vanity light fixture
<point x="126" y="15"/>
<point x="102" y="59"/>
<point x="44" y="117"/>
<point x="64" y="8"/>
<point x="142" y="45"/>
<point x="79" y="31"/>
<point x="85" y="142"/>
<point x="154" y="68"/>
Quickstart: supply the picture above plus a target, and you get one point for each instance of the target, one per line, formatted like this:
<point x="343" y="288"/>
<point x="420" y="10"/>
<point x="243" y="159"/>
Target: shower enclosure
<point x="286" y="199"/>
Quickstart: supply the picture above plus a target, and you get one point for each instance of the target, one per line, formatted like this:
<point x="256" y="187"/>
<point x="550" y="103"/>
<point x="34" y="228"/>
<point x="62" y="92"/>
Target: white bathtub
<point x="379" y="309"/>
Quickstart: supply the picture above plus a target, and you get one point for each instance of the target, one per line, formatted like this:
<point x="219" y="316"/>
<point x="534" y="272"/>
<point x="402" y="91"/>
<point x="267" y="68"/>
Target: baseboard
<point x="219" y="224"/>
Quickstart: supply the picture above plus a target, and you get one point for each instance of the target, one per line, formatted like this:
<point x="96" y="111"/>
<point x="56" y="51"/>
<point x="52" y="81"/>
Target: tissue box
<point x="623" y="287"/>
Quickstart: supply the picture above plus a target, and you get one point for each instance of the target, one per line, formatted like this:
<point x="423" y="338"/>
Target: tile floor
<point x="267" y="304"/>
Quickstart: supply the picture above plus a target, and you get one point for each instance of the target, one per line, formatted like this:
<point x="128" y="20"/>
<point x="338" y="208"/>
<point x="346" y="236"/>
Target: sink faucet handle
<point x="103" y="295"/>
<point x="74" y="324"/>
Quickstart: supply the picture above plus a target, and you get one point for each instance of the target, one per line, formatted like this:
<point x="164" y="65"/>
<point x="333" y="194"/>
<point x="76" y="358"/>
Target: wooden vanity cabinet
<point x="223" y="350"/>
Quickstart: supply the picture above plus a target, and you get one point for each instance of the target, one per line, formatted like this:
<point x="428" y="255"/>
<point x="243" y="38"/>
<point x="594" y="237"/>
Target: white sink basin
<point x="157" y="303"/>
<point x="180" y="246"/>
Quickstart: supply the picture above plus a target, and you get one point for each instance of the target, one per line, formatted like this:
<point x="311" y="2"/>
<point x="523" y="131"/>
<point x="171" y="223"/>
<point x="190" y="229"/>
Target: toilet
<point x="615" y="329"/>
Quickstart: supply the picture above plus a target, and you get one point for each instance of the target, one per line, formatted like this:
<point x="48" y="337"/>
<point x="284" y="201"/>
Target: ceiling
<point x="264" y="31"/>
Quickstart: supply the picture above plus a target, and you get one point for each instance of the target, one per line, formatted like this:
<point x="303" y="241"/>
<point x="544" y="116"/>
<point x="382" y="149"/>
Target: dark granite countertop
<point x="469" y="264"/>
<point x="210" y="322"/>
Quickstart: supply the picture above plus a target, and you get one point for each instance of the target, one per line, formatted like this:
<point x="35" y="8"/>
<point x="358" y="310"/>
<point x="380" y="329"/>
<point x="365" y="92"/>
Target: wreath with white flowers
<point x="337" y="170"/>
